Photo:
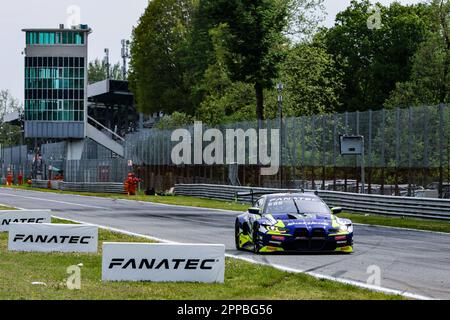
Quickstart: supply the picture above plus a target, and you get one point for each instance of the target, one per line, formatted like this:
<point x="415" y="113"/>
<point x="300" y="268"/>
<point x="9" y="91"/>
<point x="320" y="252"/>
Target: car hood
<point x="310" y="220"/>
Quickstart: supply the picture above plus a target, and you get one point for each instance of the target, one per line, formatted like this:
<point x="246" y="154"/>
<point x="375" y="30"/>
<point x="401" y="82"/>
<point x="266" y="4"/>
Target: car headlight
<point x="276" y="229"/>
<point x="345" y="228"/>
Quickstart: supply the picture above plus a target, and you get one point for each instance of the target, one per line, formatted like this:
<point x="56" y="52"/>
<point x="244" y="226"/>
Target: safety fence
<point x="437" y="209"/>
<point x="92" y="187"/>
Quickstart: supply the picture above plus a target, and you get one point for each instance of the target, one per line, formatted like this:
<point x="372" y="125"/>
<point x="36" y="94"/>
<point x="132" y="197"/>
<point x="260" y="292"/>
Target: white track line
<point x="55" y="201"/>
<point x="279" y="267"/>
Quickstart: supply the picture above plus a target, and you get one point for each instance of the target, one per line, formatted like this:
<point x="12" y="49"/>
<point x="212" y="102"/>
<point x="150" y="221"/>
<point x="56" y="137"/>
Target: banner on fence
<point x="53" y="238"/>
<point x="163" y="262"/>
<point x="23" y="216"/>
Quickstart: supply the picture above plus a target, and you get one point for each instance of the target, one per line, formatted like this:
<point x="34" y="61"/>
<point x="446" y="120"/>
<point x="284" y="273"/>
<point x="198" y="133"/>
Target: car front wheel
<point x="257" y="246"/>
<point x="237" y="230"/>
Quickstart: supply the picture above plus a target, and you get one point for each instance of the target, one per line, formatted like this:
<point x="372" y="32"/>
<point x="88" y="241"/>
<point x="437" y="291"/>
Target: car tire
<point x="256" y="245"/>
<point x="237" y="228"/>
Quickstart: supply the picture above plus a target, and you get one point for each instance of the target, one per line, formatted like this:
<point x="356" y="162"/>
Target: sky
<point x="111" y="21"/>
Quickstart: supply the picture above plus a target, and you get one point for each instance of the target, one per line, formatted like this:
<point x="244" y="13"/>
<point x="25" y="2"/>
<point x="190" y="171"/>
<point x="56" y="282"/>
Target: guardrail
<point x="437" y="209"/>
<point x="97" y="187"/>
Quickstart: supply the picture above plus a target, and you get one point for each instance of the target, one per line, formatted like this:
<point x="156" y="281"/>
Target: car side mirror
<point x="254" y="210"/>
<point x="336" y="210"/>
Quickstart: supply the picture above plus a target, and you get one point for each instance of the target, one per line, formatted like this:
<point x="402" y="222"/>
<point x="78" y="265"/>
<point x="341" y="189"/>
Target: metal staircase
<point x="109" y="140"/>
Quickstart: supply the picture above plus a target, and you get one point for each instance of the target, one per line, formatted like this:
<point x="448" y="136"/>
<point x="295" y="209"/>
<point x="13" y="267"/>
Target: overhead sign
<point x="163" y="262"/>
<point x="23" y="216"/>
<point x="53" y="238"/>
<point x="352" y="145"/>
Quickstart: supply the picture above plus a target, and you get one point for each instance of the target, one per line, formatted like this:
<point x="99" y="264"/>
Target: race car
<point x="297" y="222"/>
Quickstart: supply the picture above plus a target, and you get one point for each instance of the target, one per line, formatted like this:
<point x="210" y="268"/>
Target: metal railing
<point x="437" y="209"/>
<point x="102" y="127"/>
<point x="98" y="187"/>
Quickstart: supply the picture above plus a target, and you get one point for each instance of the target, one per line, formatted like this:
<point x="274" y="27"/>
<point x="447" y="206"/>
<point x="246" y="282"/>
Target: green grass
<point x="243" y="281"/>
<point x="6" y="208"/>
<point x="399" y="222"/>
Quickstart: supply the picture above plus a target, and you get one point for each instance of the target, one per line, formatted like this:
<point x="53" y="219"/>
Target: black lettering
<point x="131" y="262"/>
<point x="53" y="239"/>
<point x="29" y="239"/>
<point x="116" y="263"/>
<point x="40" y="220"/>
<point x="192" y="264"/>
<point x="18" y="237"/>
<point x="31" y="220"/>
<point x="64" y="238"/>
<point x="85" y="240"/>
<point x="41" y="238"/>
<point x="5" y="222"/>
<point x="74" y="240"/>
<point x="204" y="264"/>
<point x="177" y="263"/>
<point x="147" y="264"/>
<point x="164" y="263"/>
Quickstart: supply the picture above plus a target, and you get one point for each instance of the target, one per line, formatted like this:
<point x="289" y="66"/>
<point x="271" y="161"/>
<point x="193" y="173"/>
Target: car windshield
<point x="286" y="205"/>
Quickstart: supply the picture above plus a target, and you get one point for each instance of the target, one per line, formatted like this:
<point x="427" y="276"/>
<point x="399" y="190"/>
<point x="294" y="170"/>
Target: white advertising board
<point x="53" y="238"/>
<point x="163" y="262"/>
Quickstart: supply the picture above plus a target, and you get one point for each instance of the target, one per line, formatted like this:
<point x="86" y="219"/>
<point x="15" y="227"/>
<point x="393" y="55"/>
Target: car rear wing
<point x="252" y="193"/>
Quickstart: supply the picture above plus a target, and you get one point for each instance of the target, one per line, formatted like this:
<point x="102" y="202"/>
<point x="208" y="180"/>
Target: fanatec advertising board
<point x="53" y="238"/>
<point x="163" y="262"/>
<point x="23" y="216"/>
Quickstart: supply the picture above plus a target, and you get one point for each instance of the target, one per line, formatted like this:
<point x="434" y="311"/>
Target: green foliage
<point x="8" y="104"/>
<point x="98" y="71"/>
<point x="174" y="121"/>
<point x="374" y="60"/>
<point x="9" y="135"/>
<point x="312" y="83"/>
<point x="254" y="39"/>
<point x="218" y="60"/>
<point x="430" y="81"/>
<point x="158" y="62"/>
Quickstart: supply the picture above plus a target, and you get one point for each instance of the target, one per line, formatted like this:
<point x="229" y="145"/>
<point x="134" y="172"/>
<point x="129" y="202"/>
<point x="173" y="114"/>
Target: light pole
<point x="280" y="112"/>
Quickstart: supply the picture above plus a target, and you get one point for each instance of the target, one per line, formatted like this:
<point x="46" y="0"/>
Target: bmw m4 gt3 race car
<point x="299" y="222"/>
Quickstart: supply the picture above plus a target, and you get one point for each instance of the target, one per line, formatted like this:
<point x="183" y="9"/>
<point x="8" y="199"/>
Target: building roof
<point x="85" y="29"/>
<point x="110" y="92"/>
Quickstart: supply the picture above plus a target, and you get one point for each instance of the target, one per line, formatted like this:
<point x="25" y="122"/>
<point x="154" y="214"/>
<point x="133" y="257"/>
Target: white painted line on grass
<point x="279" y="267"/>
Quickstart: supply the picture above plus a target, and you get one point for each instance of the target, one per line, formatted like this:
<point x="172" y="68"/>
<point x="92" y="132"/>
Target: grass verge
<point x="398" y="222"/>
<point x="2" y="207"/>
<point x="243" y="281"/>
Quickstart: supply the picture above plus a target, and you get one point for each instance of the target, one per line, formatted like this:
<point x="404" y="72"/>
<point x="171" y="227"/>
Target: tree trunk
<point x="444" y="23"/>
<point x="259" y="101"/>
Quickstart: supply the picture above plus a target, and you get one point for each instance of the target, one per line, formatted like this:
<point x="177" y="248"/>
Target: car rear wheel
<point x="256" y="243"/>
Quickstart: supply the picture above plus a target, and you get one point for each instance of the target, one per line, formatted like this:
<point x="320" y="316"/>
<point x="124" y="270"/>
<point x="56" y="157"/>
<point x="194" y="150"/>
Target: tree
<point x="305" y="17"/>
<point x="98" y="71"/>
<point x="158" y="51"/>
<point x="312" y="83"/>
<point x="8" y="104"/>
<point x="253" y="34"/>
<point x="374" y="60"/>
<point x="10" y="135"/>
<point x="430" y="81"/>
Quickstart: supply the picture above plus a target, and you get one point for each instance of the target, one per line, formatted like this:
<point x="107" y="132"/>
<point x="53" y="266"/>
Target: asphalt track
<point x="410" y="261"/>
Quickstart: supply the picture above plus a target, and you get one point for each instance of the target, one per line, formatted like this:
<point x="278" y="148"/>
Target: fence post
<point x="441" y="150"/>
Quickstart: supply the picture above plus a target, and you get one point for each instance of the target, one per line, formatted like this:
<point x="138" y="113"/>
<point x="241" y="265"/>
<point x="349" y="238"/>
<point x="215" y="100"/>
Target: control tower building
<point x="56" y="80"/>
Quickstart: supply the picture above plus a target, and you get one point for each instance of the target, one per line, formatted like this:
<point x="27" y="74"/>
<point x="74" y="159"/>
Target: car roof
<point x="303" y="195"/>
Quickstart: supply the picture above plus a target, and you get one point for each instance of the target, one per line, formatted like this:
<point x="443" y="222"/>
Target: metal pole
<point x="280" y="111"/>
<point x="363" y="171"/>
